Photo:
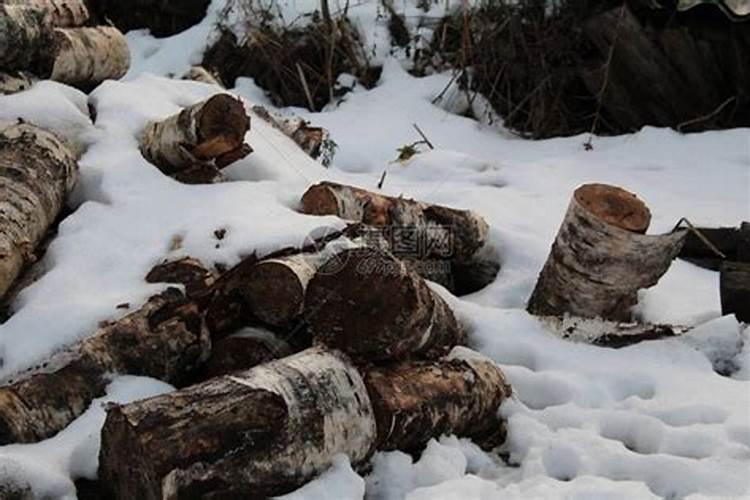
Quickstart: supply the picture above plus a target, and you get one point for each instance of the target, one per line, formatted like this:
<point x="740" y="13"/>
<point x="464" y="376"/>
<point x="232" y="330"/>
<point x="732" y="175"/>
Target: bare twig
<point x="424" y="137"/>
<point x="700" y="236"/>
<point x="302" y="78"/>
<point x="708" y="116"/>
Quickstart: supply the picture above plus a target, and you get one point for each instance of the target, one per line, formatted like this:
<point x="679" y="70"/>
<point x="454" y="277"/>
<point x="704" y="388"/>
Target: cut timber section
<point x="601" y="258"/>
<point x="37" y="172"/>
<point x="257" y="433"/>
<point x="369" y="304"/>
<point x="164" y="339"/>
<point x="57" y="13"/>
<point x="212" y="131"/>
<point x="87" y="56"/>
<point x="734" y="282"/>
<point x="418" y="231"/>
<point x="459" y="394"/>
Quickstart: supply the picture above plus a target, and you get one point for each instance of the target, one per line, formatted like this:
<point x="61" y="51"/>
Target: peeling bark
<point x="243" y="350"/>
<point x="164" y="339"/>
<point x="600" y="258"/>
<point x="87" y="56"/>
<point x="459" y="394"/>
<point x="211" y="131"/>
<point x="369" y="304"/>
<point x="14" y="82"/>
<point x="416" y="230"/>
<point x="257" y="433"/>
<point x="58" y="13"/>
<point x="37" y="171"/>
<point x="734" y="282"/>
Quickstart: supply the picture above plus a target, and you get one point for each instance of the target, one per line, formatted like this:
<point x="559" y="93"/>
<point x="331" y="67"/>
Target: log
<point x="14" y="82"/>
<point x="416" y="230"/>
<point x="314" y="141"/>
<point x="601" y="258"/>
<point x="56" y="13"/>
<point x="609" y="333"/>
<point x="164" y="339"/>
<point x="212" y="131"/>
<point x="248" y="348"/>
<point x="86" y="56"/>
<point x="419" y="400"/>
<point x="369" y="304"/>
<point x="189" y="272"/>
<point x="37" y="172"/>
<point x="734" y="283"/>
<point x="258" y="433"/>
<point x="743" y="243"/>
<point x="22" y="33"/>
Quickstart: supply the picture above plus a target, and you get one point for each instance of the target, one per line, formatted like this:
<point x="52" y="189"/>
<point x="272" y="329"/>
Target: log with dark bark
<point x="459" y="394"/>
<point x="735" y="289"/>
<point x="368" y="303"/>
<point x="254" y="434"/>
<point x="211" y="131"/>
<point x="609" y="333"/>
<point x="416" y="230"/>
<point x="164" y="339"/>
<point x="248" y="348"/>
<point x="601" y="258"/>
<point x="37" y="171"/>
<point x="161" y="17"/>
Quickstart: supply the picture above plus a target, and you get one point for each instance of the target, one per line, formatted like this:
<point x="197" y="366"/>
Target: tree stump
<point x="164" y="339"/>
<point x="211" y="131"/>
<point x="459" y="394"/>
<point x="37" y="172"/>
<point x="258" y="433"/>
<point x="601" y="258"/>
<point x="734" y="282"/>
<point x="369" y="304"/>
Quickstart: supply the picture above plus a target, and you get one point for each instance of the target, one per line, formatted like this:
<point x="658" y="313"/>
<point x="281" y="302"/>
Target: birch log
<point x="14" y="82"/>
<point x="315" y="141"/>
<point x="22" y="33"/>
<point x="248" y="348"/>
<point x="164" y="339"/>
<point x="609" y="333"/>
<point x="601" y="258"/>
<point x="734" y="283"/>
<point x="86" y="56"/>
<point x="369" y="304"/>
<point x="37" y="171"/>
<point x="58" y="13"/>
<point x="417" y="230"/>
<point x="258" y="433"/>
<point x="459" y="394"/>
<point x="209" y="131"/>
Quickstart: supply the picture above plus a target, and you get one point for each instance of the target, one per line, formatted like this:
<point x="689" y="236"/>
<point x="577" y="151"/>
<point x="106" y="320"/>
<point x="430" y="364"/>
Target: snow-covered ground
<point x="648" y="421"/>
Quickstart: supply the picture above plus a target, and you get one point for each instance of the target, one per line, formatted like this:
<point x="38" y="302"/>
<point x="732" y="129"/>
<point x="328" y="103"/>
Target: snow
<point x="667" y="418"/>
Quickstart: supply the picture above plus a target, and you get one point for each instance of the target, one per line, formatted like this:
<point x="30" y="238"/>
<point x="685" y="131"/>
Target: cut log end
<point x="275" y="293"/>
<point x="320" y="200"/>
<point x="222" y="125"/>
<point x="615" y="206"/>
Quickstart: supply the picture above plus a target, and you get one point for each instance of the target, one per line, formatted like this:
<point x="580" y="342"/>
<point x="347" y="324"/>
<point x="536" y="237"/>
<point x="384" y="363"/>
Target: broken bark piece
<point x="600" y="258"/>
<point x="609" y="333"/>
<point x="164" y="339"/>
<point x="459" y="394"/>
<point x="369" y="304"/>
<point x="37" y="172"/>
<point x="87" y="56"/>
<point x="415" y="230"/>
<point x="200" y="133"/>
<point x="257" y="433"/>
<point x="243" y="350"/>
<point x="734" y="283"/>
<point x="57" y="13"/>
<point x="14" y="82"/>
<point x="186" y="271"/>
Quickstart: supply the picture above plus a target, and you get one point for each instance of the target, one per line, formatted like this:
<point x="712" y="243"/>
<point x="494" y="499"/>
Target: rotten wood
<point x="164" y="339"/>
<point x="601" y="258"/>
<point x="212" y="131"/>
<point x="734" y="283"/>
<point x="258" y="433"/>
<point x="371" y="305"/>
<point x="314" y="141"/>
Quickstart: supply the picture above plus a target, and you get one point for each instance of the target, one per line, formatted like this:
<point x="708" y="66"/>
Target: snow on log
<point x="209" y="131"/>
<point x="609" y="333"/>
<point x="14" y="82"/>
<point x="87" y="56"/>
<point x="459" y="394"/>
<point x="734" y="283"/>
<point x="56" y="13"/>
<point x="369" y="304"/>
<point x="601" y="257"/>
<point x="417" y="230"/>
<point x="164" y="339"/>
<point x="37" y="171"/>
<point x="243" y="350"/>
<point x="257" y="433"/>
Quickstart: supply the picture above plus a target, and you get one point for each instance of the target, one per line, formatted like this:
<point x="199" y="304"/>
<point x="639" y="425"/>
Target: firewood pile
<point x="57" y="40"/>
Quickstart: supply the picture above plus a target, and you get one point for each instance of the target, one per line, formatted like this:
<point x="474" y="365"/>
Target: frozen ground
<point x="652" y="420"/>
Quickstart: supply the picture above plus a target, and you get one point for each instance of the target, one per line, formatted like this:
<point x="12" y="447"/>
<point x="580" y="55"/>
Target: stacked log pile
<point x="51" y="39"/>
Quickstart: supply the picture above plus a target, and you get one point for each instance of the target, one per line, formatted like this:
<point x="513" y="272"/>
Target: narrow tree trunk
<point x="735" y="290"/>
<point x="243" y="350"/>
<point x="416" y="230"/>
<point x="459" y="394"/>
<point x="743" y="243"/>
<point x="37" y="171"/>
<point x="164" y="339"/>
<point x="601" y="258"/>
<point x="258" y="433"/>
<point x="14" y="82"/>
<point x="369" y="304"/>
<point x="58" y="13"/>
<point x="87" y="56"/>
<point x="609" y="333"/>
<point x="210" y="131"/>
